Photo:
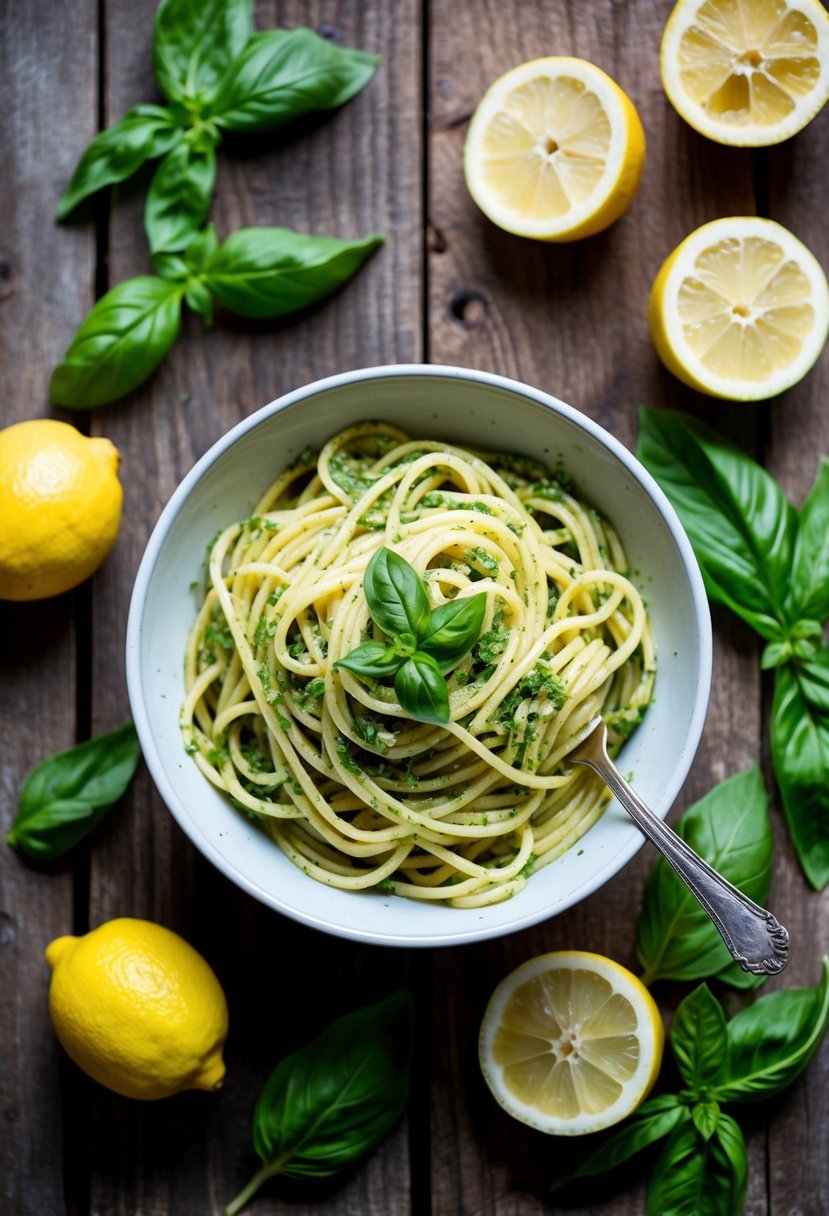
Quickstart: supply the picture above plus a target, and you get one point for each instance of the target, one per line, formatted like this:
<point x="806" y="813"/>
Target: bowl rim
<point x="633" y="467"/>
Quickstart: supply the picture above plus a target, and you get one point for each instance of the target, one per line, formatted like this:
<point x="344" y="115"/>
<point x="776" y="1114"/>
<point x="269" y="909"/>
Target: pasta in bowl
<point x="355" y="791"/>
<point x="319" y="772"/>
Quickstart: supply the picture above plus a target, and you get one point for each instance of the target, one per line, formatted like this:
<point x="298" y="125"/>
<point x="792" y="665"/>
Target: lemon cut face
<point x="555" y="150"/>
<point x="740" y="309"/>
<point x="571" y="1043"/>
<point x="747" y="72"/>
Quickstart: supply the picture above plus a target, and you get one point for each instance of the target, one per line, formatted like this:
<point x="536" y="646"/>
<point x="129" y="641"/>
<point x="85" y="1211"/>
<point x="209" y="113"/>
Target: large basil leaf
<point x="372" y="659"/>
<point x="772" y="1041"/>
<point x="179" y="197"/>
<point x="333" y="1101"/>
<point x="809" y="593"/>
<point x="284" y="73"/>
<point x="813" y="678"/>
<point x="699" y="1177"/>
<point x="654" y="1120"/>
<point x="453" y="630"/>
<point x="396" y="595"/>
<point x="143" y="133"/>
<point x="699" y="1039"/>
<point x="800" y="752"/>
<point x="730" y="829"/>
<point x="68" y="794"/>
<point x="421" y="689"/>
<point x="739" y="521"/>
<point x="195" y="42"/>
<point x="121" y="342"/>
<point x="267" y="272"/>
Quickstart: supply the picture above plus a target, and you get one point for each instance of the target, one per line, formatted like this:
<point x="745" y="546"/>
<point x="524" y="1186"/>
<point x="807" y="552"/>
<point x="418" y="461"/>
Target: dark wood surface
<point x="450" y="288"/>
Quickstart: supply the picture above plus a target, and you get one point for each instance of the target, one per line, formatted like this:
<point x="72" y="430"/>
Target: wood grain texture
<point x="798" y="434"/>
<point x="570" y="319"/>
<point x="46" y="277"/>
<point x="346" y="174"/>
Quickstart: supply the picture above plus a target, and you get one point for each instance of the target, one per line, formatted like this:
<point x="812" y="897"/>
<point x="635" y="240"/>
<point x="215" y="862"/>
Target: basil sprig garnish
<point x="68" y="794"/>
<point x="335" y="1100"/>
<point x="217" y="75"/>
<point x="768" y="563"/>
<point x="258" y="272"/>
<point x="703" y="1166"/>
<point x="729" y="828"/>
<point x="423" y="645"/>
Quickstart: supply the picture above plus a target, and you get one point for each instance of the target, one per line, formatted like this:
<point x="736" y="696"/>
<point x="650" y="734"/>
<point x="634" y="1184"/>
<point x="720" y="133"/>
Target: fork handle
<point x="753" y="936"/>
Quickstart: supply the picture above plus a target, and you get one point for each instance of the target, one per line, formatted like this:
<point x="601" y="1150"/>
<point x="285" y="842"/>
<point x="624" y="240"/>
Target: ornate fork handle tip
<point x="753" y="936"/>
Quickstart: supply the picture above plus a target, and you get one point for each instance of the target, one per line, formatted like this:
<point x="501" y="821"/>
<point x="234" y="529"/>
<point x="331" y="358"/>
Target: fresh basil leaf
<point x="730" y="829"/>
<point x="334" y="1101"/>
<point x="143" y="133"/>
<point x="734" y="975"/>
<point x="199" y="299"/>
<point x="179" y="197"/>
<point x="699" y="1039"/>
<point x="809" y="592"/>
<point x="800" y="754"/>
<point x="421" y="689"/>
<point x="284" y="73"/>
<point x="453" y="630"/>
<point x="121" y="342"/>
<point x="195" y="42"/>
<point x="706" y="1118"/>
<point x="698" y="1177"/>
<point x="739" y="521"/>
<point x="396" y="595"/>
<point x="267" y="272"/>
<point x="201" y="249"/>
<point x="171" y="266"/>
<point x="373" y="659"/>
<point x="772" y="1041"/>
<point x="68" y="794"/>
<point x="813" y="678"/>
<point x="654" y="1120"/>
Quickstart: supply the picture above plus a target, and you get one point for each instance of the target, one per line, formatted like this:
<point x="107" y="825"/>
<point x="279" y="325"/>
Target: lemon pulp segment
<point x="749" y="72"/>
<point x="555" y="150"/>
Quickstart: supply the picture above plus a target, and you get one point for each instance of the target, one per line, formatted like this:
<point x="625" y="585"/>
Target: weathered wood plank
<point x="354" y="172"/>
<point x="570" y="319"/>
<point x="798" y="436"/>
<point x="46" y="283"/>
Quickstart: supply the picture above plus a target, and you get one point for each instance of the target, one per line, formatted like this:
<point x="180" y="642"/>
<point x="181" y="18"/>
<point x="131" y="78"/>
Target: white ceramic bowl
<point x="468" y="407"/>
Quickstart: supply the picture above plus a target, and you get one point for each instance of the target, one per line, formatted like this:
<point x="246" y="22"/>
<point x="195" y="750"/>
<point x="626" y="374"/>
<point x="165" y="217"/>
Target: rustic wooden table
<point x="450" y="288"/>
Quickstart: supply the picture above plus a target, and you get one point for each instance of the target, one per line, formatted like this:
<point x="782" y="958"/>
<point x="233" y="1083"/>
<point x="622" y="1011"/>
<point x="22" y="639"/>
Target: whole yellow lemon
<point x="60" y="507"/>
<point x="138" y="1009"/>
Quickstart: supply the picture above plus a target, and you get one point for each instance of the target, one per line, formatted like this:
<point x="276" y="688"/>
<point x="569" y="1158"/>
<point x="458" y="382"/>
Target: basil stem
<point x="68" y="794"/>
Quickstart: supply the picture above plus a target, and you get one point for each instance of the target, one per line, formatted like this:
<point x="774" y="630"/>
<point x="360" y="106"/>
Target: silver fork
<point x="754" y="938"/>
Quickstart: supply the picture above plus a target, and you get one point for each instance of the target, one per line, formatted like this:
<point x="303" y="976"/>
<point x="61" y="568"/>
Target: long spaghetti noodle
<point x="351" y="789"/>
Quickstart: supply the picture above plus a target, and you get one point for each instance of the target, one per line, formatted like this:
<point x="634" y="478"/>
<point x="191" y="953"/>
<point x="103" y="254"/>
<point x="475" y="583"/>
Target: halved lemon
<point x="570" y="1043"/>
<point x="555" y="150"/>
<point x="746" y="72"/>
<point x="740" y="309"/>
